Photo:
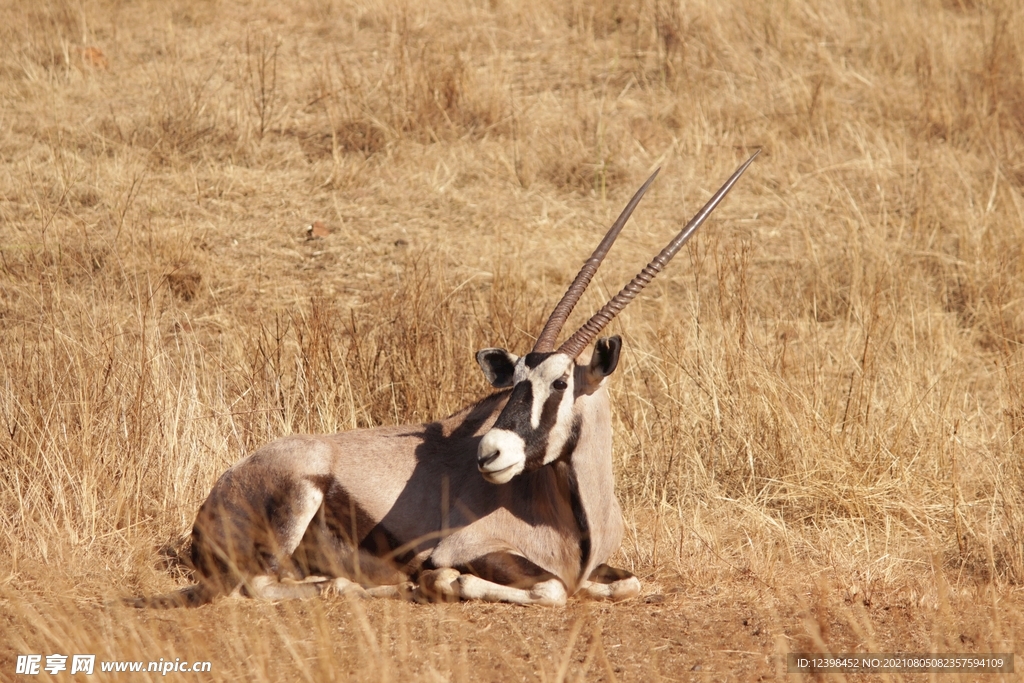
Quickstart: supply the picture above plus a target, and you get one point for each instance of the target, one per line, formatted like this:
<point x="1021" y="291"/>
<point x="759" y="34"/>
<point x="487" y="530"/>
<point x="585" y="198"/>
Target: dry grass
<point x="820" y="414"/>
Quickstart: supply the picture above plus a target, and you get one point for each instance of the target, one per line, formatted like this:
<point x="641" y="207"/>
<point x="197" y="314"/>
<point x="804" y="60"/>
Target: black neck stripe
<point x="580" y="515"/>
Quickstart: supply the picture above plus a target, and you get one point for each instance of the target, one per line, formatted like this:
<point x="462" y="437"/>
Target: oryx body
<point x="336" y="505"/>
<point x="510" y="499"/>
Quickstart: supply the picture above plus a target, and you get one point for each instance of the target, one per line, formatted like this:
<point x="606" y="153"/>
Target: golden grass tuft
<point x="819" y="416"/>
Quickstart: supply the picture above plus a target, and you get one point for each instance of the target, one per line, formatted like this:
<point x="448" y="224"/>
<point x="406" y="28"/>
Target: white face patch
<point x="537" y="422"/>
<point x="556" y="367"/>
<point x="562" y="428"/>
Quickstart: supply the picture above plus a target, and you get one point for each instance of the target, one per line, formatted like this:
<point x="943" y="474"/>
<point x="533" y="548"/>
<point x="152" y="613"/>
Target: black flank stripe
<point x="580" y="516"/>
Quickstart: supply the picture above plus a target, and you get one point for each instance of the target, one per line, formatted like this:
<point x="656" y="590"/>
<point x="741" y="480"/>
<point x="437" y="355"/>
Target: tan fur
<point x="418" y="482"/>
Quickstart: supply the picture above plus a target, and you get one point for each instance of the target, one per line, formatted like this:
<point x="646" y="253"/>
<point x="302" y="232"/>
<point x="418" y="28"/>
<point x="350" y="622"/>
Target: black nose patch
<point x="516" y="415"/>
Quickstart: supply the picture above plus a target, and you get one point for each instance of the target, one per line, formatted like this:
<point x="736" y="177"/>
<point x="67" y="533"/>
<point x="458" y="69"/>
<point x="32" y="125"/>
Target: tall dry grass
<point x="824" y="390"/>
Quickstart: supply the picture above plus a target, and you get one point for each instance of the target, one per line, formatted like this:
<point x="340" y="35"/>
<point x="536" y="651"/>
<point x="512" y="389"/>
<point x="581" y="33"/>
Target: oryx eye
<point x="559" y="385"/>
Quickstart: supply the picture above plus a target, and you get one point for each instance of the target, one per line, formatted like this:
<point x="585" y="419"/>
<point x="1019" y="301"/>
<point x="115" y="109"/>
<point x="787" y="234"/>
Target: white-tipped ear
<point x="498" y="365"/>
<point x="603" y="362"/>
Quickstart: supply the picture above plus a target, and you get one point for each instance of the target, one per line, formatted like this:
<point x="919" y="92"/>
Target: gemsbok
<point x="511" y="499"/>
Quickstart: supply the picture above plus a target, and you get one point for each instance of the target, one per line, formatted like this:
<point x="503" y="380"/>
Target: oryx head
<point x="539" y="423"/>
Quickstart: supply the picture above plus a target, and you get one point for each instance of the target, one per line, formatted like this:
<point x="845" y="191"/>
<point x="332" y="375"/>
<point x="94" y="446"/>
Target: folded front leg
<point x="437" y="585"/>
<point x="609" y="583"/>
<point x="495" y="577"/>
<point x="550" y="593"/>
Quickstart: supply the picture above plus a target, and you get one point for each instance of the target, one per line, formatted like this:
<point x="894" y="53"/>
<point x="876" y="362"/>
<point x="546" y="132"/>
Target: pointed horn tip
<point x="651" y="178"/>
<point x="546" y="340"/>
<point x="574" y="346"/>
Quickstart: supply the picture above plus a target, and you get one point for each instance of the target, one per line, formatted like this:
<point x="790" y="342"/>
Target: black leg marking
<point x="604" y="573"/>
<point x="506" y="569"/>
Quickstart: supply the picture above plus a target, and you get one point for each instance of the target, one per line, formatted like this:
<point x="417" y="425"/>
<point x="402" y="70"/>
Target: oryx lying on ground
<point x="511" y="499"/>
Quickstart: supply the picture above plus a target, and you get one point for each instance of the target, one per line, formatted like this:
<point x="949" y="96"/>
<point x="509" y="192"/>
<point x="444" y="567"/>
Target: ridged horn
<point x="583" y="336"/>
<point x="546" y="340"/>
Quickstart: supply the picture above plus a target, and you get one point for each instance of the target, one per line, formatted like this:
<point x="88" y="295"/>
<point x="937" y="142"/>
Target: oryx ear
<point x="498" y="366"/>
<point x="604" y="361"/>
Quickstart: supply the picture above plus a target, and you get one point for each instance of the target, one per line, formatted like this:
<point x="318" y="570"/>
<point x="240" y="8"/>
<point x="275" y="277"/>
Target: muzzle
<point x="501" y="456"/>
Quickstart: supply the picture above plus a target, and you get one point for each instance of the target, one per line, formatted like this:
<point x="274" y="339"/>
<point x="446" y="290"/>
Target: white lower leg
<point x="401" y="591"/>
<point x="343" y="586"/>
<point x="269" y="588"/>
<point x="622" y="589"/>
<point x="550" y="593"/>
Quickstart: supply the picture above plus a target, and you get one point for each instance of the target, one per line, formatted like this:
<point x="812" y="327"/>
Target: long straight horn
<point x="583" y="336"/>
<point x="546" y="340"/>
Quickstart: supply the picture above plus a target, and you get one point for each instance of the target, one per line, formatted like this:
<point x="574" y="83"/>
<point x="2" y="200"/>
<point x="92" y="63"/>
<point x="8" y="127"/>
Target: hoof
<point x="439" y="585"/>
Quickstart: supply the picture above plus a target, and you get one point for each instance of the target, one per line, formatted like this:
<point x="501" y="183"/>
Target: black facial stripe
<point x="517" y="415"/>
<point x="549" y="413"/>
<point x="537" y="441"/>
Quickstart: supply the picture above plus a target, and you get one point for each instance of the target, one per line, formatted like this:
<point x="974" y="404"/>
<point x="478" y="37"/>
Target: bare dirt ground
<point x="734" y="630"/>
<point x="224" y="222"/>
